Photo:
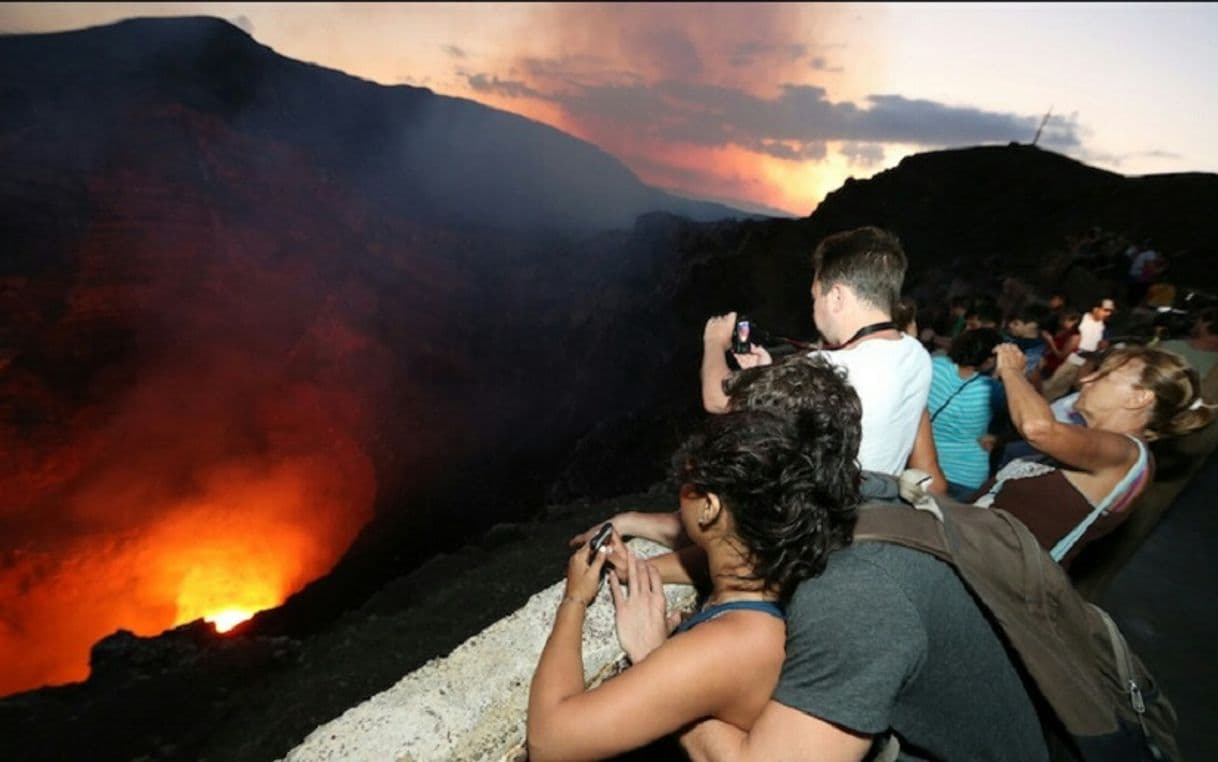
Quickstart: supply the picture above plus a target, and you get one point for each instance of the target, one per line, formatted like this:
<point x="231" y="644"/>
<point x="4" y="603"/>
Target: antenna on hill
<point x="1043" y="122"/>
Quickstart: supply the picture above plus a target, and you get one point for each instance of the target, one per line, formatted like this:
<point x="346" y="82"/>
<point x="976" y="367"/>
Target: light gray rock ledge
<point x="470" y="705"/>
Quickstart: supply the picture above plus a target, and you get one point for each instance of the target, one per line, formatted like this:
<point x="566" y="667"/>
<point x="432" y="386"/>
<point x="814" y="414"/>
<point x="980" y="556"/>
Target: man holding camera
<point x="858" y="276"/>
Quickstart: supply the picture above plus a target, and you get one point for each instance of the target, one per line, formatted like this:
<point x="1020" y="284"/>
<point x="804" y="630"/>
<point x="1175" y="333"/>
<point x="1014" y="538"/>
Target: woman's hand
<point x="584" y="575"/>
<point x="717" y="333"/>
<point x="1009" y="357"/>
<point x="756" y="357"/>
<point x="642" y="620"/>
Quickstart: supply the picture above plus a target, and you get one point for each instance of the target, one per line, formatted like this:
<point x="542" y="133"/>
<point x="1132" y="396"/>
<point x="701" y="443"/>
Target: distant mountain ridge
<point x="432" y="157"/>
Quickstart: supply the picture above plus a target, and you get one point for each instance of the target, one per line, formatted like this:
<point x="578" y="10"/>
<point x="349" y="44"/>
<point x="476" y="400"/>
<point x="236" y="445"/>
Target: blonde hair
<point x="1178" y="408"/>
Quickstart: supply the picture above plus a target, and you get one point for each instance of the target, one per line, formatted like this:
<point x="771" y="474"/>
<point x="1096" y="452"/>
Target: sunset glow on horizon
<point x="771" y="106"/>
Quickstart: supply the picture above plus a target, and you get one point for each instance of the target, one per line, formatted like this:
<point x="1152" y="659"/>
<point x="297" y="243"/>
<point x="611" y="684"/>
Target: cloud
<point x="792" y="151"/>
<point x="819" y="63"/>
<point x="668" y="50"/>
<point x="454" y="51"/>
<point x="483" y="83"/>
<point x="754" y="51"/>
<point x="863" y="154"/>
<point x="793" y="124"/>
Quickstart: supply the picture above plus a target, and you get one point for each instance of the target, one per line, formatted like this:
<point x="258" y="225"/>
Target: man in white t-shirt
<point x="1091" y="339"/>
<point x="857" y="279"/>
<point x="1091" y="328"/>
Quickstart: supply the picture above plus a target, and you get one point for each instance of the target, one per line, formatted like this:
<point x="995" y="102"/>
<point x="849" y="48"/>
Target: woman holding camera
<point x="766" y="497"/>
<point x="1083" y="484"/>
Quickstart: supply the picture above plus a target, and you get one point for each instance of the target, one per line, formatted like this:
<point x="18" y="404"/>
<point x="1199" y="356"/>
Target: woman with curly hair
<point x="1086" y="477"/>
<point x="801" y="384"/>
<point x="765" y="497"/>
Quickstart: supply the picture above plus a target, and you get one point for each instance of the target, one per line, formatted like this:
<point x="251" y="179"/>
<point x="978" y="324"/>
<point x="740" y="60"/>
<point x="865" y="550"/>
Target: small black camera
<point x="600" y="538"/>
<point x="741" y="335"/>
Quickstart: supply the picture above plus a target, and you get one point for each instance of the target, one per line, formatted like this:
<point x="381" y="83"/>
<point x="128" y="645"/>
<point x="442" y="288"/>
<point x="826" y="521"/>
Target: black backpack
<point x="1097" y="701"/>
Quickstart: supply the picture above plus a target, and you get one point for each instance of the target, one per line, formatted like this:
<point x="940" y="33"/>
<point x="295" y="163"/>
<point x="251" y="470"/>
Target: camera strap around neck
<point x="866" y="330"/>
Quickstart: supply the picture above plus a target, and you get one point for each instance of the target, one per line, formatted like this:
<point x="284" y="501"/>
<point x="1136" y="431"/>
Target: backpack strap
<point x="951" y="397"/>
<point x="922" y="529"/>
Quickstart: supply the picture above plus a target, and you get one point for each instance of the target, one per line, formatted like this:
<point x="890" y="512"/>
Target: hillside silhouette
<point x="406" y="322"/>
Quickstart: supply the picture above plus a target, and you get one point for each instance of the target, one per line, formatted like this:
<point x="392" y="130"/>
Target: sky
<point x="772" y="106"/>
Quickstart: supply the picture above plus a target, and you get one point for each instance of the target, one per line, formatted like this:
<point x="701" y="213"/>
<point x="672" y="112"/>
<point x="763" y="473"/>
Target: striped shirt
<point x="959" y="420"/>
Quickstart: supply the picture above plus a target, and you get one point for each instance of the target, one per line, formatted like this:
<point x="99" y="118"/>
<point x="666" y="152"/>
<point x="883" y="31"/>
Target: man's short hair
<point x="904" y="312"/>
<point x="868" y="260"/>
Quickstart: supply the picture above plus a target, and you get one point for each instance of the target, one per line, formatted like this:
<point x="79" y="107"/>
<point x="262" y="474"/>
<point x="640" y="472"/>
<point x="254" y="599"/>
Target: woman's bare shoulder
<point x="755" y="636"/>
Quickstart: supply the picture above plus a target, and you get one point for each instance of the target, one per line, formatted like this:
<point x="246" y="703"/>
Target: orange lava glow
<point x="251" y="536"/>
<point x="228" y="619"/>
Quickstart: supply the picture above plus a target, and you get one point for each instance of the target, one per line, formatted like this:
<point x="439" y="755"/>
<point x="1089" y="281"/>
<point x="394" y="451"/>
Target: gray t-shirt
<point x="888" y="637"/>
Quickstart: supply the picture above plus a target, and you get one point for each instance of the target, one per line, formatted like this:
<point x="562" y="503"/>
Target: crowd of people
<point x="808" y="645"/>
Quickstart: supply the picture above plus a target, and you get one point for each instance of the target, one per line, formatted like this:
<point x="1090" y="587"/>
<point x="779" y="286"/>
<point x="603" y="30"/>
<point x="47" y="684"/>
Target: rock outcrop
<point x="470" y="704"/>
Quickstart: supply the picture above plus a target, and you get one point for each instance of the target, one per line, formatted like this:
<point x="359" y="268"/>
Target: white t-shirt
<point x="1090" y="332"/>
<point x="892" y="379"/>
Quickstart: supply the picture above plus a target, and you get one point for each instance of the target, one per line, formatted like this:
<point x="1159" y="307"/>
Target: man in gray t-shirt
<point x="888" y="638"/>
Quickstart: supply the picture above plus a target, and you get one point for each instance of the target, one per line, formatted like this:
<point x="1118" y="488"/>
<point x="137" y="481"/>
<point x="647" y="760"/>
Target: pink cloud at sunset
<point x="767" y="105"/>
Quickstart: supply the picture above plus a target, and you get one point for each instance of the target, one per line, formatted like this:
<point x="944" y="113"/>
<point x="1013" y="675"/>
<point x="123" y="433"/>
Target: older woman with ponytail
<point x="1087" y="476"/>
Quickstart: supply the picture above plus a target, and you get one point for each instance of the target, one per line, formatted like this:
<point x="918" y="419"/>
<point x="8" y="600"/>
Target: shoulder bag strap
<point x="947" y="401"/>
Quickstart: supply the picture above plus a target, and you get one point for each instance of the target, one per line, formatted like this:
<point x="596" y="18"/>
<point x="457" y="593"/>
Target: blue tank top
<point x="710" y="612"/>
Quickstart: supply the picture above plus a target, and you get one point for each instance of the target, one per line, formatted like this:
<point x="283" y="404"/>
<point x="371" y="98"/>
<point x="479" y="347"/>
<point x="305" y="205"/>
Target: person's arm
<point x="663" y="527"/>
<point x="1050" y="342"/>
<point x="1071" y="344"/>
<point x="687" y="566"/>
<point x="716" y="339"/>
<point x="926" y="458"/>
<point x="1084" y="448"/>
<point x="683" y="680"/>
<point x="560" y="669"/>
<point x="781" y="734"/>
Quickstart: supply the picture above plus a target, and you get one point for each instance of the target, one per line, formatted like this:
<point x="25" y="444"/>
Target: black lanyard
<point x="866" y="330"/>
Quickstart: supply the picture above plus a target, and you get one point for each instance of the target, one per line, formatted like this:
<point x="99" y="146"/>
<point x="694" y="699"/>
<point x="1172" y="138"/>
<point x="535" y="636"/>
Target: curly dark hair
<point x="799" y="384"/>
<point x="790" y="482"/>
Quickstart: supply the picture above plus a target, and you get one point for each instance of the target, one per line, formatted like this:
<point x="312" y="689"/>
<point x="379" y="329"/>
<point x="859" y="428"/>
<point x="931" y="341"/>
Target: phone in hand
<point x="740" y="335"/>
<point x="600" y="538"/>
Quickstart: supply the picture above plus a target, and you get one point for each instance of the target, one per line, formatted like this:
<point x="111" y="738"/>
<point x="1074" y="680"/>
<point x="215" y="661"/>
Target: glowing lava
<point x="228" y="619"/>
<point x="228" y="594"/>
<point x="245" y="539"/>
